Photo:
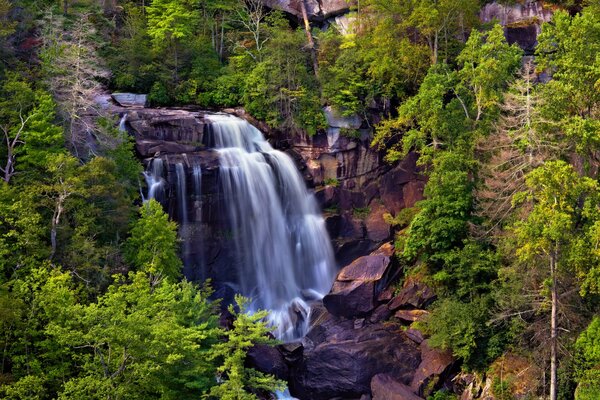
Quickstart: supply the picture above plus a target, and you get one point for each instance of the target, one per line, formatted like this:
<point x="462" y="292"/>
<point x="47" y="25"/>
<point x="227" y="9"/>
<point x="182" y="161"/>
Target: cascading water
<point x="285" y="255"/>
<point x="154" y="176"/>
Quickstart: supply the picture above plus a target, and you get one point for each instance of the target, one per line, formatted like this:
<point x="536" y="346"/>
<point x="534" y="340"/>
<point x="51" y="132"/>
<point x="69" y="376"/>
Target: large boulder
<point x="344" y="363"/>
<point x="129" y="99"/>
<point x="267" y="359"/>
<point x="384" y="387"/>
<point x="355" y="290"/>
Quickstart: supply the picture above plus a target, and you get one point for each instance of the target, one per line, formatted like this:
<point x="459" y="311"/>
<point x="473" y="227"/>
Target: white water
<point x="155" y="181"/>
<point x="285" y="254"/>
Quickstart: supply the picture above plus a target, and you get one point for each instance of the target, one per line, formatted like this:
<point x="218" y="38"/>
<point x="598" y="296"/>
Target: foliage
<point x="152" y="246"/>
<point x="249" y="329"/>
<point x="588" y="355"/>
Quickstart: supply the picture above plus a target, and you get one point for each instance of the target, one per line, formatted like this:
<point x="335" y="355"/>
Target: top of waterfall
<point x="228" y="131"/>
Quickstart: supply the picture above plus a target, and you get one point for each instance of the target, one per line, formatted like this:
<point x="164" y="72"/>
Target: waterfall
<point x="181" y="195"/>
<point x="197" y="173"/>
<point x="122" y="123"/>
<point x="285" y="255"/>
<point x="155" y="180"/>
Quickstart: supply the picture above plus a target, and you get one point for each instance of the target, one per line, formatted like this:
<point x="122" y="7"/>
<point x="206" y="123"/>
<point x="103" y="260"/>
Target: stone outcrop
<point x="130" y="99"/>
<point x="354" y="186"/>
<point x="522" y="21"/>
<point x="357" y="286"/>
<point x="317" y="10"/>
<point x="365" y="351"/>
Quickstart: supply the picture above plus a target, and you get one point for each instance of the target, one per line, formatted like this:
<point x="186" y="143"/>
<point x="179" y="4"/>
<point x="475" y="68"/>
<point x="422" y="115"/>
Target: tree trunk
<point x="553" y="328"/>
<point x="309" y="38"/>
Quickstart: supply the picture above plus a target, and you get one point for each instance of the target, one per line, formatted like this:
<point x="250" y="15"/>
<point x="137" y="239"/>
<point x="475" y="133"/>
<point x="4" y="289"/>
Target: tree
<point x="588" y="355"/>
<point x="431" y="120"/>
<point x="73" y="69"/>
<point x="559" y="202"/>
<point x="568" y="49"/>
<point x="170" y="22"/>
<point x="249" y="329"/>
<point x="153" y="245"/>
<point x="26" y="122"/>
<point x="518" y="144"/>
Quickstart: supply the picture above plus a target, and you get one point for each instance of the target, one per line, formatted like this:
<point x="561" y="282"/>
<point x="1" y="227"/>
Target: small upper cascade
<point x="122" y="123"/>
<point x="284" y="252"/>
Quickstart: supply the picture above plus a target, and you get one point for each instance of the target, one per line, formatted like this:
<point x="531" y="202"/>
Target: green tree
<point x="588" y="369"/>
<point x="153" y="246"/>
<point x="568" y="48"/>
<point x="559" y="202"/>
<point x="238" y="381"/>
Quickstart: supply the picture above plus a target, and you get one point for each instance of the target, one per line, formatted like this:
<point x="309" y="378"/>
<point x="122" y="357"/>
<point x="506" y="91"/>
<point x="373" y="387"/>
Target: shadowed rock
<point x="384" y="387"/>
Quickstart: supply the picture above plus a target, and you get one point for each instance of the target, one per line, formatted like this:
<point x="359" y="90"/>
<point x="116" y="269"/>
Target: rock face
<point x="357" y="286"/>
<point x="317" y="10"/>
<point x="130" y="99"/>
<point x="355" y="349"/>
<point x="522" y="22"/>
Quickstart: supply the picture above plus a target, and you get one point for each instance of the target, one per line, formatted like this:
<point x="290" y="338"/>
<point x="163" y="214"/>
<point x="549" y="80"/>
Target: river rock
<point x="129" y="99"/>
<point x="384" y="387"/>
<point x="355" y="290"/>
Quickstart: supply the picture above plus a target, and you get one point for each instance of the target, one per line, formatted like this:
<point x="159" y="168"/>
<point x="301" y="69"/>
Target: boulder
<point x="414" y="294"/>
<point x="384" y="387"/>
<point x="350" y="358"/>
<point x="355" y="290"/>
<point x="267" y="359"/>
<point x="435" y="364"/>
<point x="129" y="99"/>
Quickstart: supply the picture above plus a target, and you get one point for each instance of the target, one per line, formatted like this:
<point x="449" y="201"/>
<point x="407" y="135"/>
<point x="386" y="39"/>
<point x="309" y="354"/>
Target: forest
<point x="94" y="303"/>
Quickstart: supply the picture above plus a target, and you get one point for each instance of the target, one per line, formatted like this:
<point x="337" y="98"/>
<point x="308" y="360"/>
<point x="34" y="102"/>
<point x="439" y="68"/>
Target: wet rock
<point x="350" y="358"/>
<point x="129" y="99"/>
<point x="414" y="294"/>
<point x="435" y="364"/>
<point x="150" y="148"/>
<point x="355" y="290"/>
<point x="384" y="387"/>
